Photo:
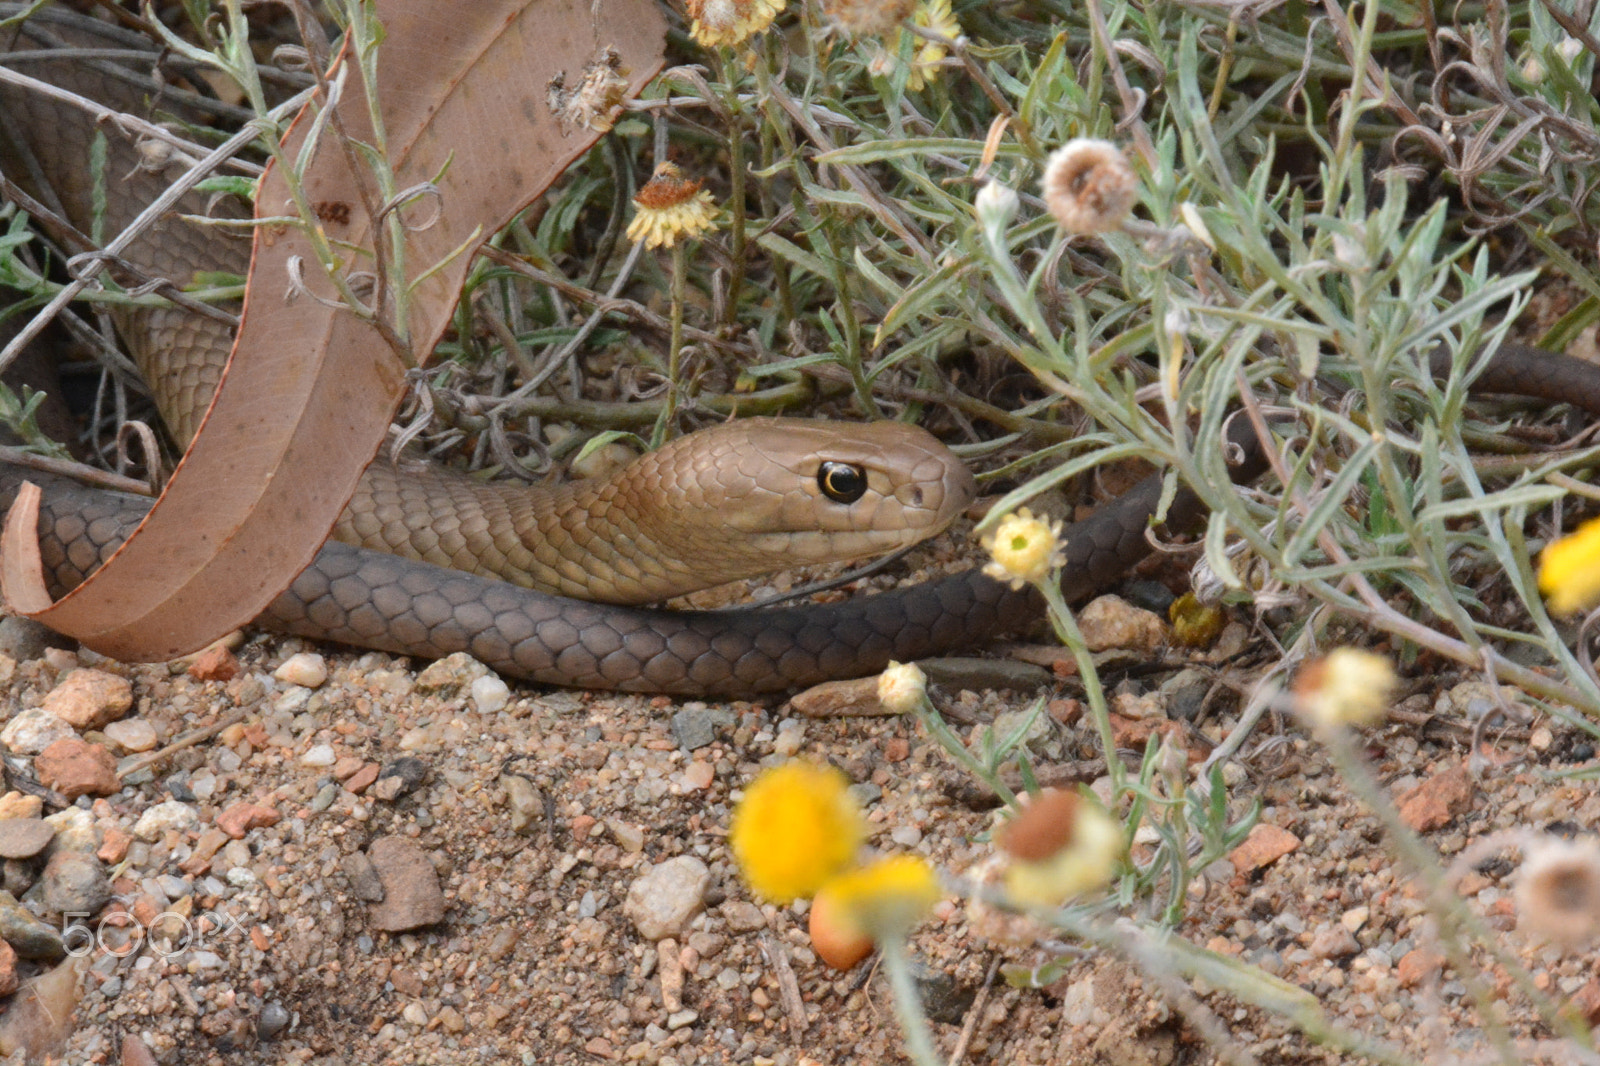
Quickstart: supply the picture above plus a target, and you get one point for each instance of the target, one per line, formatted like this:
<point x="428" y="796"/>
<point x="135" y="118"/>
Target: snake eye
<point x="841" y="482"/>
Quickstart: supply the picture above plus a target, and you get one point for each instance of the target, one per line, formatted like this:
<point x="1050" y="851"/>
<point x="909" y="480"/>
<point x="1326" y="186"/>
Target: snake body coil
<point x="368" y="598"/>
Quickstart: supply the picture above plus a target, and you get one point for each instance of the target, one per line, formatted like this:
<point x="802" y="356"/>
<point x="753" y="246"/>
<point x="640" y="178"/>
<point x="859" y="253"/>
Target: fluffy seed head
<point x="1558" y="890"/>
<point x="1089" y="186"/>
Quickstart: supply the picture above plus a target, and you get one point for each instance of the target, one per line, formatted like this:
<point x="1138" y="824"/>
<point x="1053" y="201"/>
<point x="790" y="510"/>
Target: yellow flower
<point x="1347" y="686"/>
<point x="1024" y="549"/>
<point x="884" y="899"/>
<point x="901" y="687"/>
<point x="1089" y="186"/>
<point x="932" y="15"/>
<point x="670" y="207"/>
<point x="1558" y="890"/>
<point x="1059" y="846"/>
<point x="1569" y="570"/>
<point x="729" y="22"/>
<point x="796" y="827"/>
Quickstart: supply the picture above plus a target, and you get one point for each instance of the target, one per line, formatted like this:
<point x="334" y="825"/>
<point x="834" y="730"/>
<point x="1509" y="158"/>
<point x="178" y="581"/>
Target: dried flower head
<point x="1346" y="687"/>
<point x="730" y="22"/>
<point x="1023" y="549"/>
<point x="1089" y="186"/>
<point x="901" y="687"/>
<point x="670" y="206"/>
<point x="1059" y="846"/>
<point x="883" y="899"/>
<point x="867" y="18"/>
<point x="596" y="102"/>
<point x="1569" y="570"/>
<point x="796" y="827"/>
<point x="1558" y="890"/>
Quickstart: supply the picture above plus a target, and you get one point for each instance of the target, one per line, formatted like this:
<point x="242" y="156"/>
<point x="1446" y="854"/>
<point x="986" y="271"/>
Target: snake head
<point x="765" y="494"/>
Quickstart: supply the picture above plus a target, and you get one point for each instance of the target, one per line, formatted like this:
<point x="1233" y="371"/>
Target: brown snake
<point x="368" y="598"/>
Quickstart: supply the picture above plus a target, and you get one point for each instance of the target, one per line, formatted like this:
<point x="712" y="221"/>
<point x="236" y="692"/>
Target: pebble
<point x="526" y="804"/>
<point x="215" y="663"/>
<point x="1111" y="622"/>
<point x="163" y="818"/>
<point x="694" y="727"/>
<point x="74" y="768"/>
<point x="75" y="830"/>
<point x="114" y="847"/>
<point x="274" y="1019"/>
<point x="23" y="638"/>
<point x="907" y="836"/>
<point x="1333" y="942"/>
<point x="8" y="969"/>
<point x="306" y="669"/>
<point x="363" y="877"/>
<point x="319" y="755"/>
<point x="74" y="884"/>
<point x="412" y="896"/>
<point x="629" y="837"/>
<point x="698" y="776"/>
<point x="18" y="805"/>
<point x="450" y="675"/>
<point x="400" y="777"/>
<point x="243" y="816"/>
<point x="23" y="838"/>
<point x="1265" y="845"/>
<point x="362" y="779"/>
<point x="132" y="734"/>
<point x="663" y="899"/>
<point x="490" y="694"/>
<point x="790" y="739"/>
<point x="326" y="796"/>
<point x="32" y="938"/>
<point x="89" y="699"/>
<point x="1436" y="802"/>
<point x="34" y="730"/>
<point x="17" y="876"/>
<point x="743" y="916"/>
<point x="1354" y="918"/>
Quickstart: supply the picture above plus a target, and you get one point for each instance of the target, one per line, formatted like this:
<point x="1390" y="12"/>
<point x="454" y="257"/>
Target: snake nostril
<point x="916" y="495"/>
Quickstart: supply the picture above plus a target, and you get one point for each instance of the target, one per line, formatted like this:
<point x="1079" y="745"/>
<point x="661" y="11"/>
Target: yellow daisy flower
<point x="884" y="899"/>
<point x="796" y="827"/>
<point x="937" y="16"/>
<point x="670" y="207"/>
<point x="1346" y="687"/>
<point x="1569" y="570"/>
<point x="730" y="22"/>
<point x="1023" y="549"/>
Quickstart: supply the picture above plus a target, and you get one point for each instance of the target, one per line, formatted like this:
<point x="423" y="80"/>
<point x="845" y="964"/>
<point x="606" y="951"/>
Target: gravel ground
<point x="519" y="831"/>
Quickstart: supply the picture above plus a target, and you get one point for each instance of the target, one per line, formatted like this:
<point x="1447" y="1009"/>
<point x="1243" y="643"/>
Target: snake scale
<point x="356" y="595"/>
